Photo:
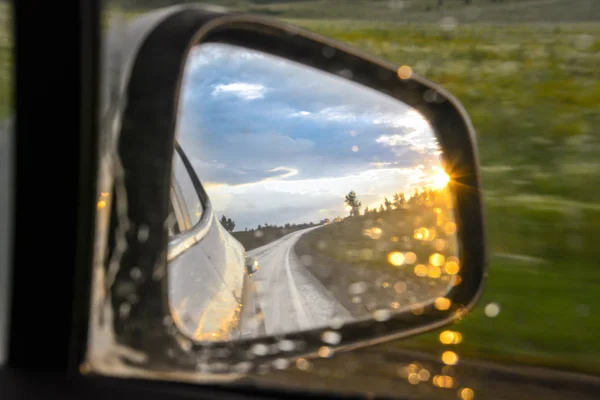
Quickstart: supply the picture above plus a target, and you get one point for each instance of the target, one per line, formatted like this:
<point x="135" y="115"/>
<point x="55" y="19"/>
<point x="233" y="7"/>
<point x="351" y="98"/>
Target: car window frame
<point x="180" y="207"/>
<point x="187" y="238"/>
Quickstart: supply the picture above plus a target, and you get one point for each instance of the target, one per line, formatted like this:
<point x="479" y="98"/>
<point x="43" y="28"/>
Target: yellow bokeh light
<point x="436" y="259"/>
<point x="302" y="364"/>
<point x="447" y="337"/>
<point x="396" y="258"/>
<point x="449" y="358"/>
<point x="467" y="394"/>
<point x="442" y="303"/>
<point x="434" y="272"/>
<point x="424" y="374"/>
<point x="395" y="239"/>
<point x="450" y="337"/>
<point x="451" y="267"/>
<point x="400" y="287"/>
<point x="421" y="270"/>
<point x="373" y="233"/>
<point x="325" y="352"/>
<point x="450" y="228"/>
<point x="423" y="233"/>
<point x="439" y="244"/>
<point x="443" y="381"/>
<point x="413" y="378"/>
<point x="404" y="72"/>
<point x="101" y="204"/>
<point x="410" y="257"/>
<point x="348" y="208"/>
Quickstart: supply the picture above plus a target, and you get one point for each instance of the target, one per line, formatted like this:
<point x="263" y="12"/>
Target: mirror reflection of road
<point x="291" y="298"/>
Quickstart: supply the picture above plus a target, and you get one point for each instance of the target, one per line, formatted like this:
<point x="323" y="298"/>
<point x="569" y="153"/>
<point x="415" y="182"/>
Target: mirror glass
<point x="334" y="191"/>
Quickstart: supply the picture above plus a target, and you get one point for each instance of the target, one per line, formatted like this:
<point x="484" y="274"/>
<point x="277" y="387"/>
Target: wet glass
<point x="336" y="190"/>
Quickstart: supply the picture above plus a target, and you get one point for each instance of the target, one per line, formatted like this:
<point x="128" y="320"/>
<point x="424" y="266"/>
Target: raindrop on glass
<point x="331" y="337"/>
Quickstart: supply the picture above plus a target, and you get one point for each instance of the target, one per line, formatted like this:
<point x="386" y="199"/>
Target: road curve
<point x="291" y="298"/>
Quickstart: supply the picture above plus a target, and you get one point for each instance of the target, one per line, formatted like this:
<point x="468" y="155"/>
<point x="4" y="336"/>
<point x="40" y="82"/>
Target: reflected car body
<point x="211" y="291"/>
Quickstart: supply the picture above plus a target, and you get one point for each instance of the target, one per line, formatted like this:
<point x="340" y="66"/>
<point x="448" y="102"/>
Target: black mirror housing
<point x="146" y="142"/>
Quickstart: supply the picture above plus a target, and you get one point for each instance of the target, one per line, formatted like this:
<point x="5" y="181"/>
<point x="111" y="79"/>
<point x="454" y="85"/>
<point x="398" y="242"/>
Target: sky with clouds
<point x="275" y="141"/>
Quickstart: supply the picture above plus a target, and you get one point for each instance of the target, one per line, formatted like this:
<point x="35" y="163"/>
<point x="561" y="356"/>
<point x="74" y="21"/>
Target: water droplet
<point x="442" y="303"/>
<point x="357" y="288"/>
<point x="303" y="364"/>
<point x="449" y="358"/>
<point x="243" y="367"/>
<point x="325" y="352"/>
<point x="396" y="258"/>
<point x="143" y="233"/>
<point x="413" y="378"/>
<point x="136" y="274"/>
<point x="405" y="72"/>
<point x="124" y="310"/>
<point x="448" y="24"/>
<point x="466" y="394"/>
<point x="281" y="363"/>
<point x="186" y="345"/>
<point x="492" y="310"/>
<point x="331" y="337"/>
<point x="382" y="315"/>
<point x="410" y="257"/>
<point x="260" y="349"/>
<point x="400" y="287"/>
<point x="286" y="345"/>
<point x="354" y="149"/>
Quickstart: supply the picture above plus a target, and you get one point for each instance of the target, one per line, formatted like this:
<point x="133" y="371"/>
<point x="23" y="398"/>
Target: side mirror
<point x="367" y="173"/>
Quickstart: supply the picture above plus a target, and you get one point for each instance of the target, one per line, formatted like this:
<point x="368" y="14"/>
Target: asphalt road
<point x="291" y="298"/>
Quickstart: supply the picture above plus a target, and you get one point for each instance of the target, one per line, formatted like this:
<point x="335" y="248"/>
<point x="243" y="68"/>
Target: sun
<point x="440" y="179"/>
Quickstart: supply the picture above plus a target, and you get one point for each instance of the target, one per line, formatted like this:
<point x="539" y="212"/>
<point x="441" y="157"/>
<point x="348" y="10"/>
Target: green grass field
<point x="532" y="91"/>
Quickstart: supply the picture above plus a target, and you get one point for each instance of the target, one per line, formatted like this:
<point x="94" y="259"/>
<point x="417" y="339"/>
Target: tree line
<point x="423" y="197"/>
<point x="229" y="225"/>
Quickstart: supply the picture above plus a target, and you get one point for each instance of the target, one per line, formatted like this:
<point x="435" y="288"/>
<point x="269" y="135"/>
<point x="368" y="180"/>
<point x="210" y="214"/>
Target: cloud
<point x="246" y="91"/>
<point x="272" y="139"/>
<point x="289" y="172"/>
